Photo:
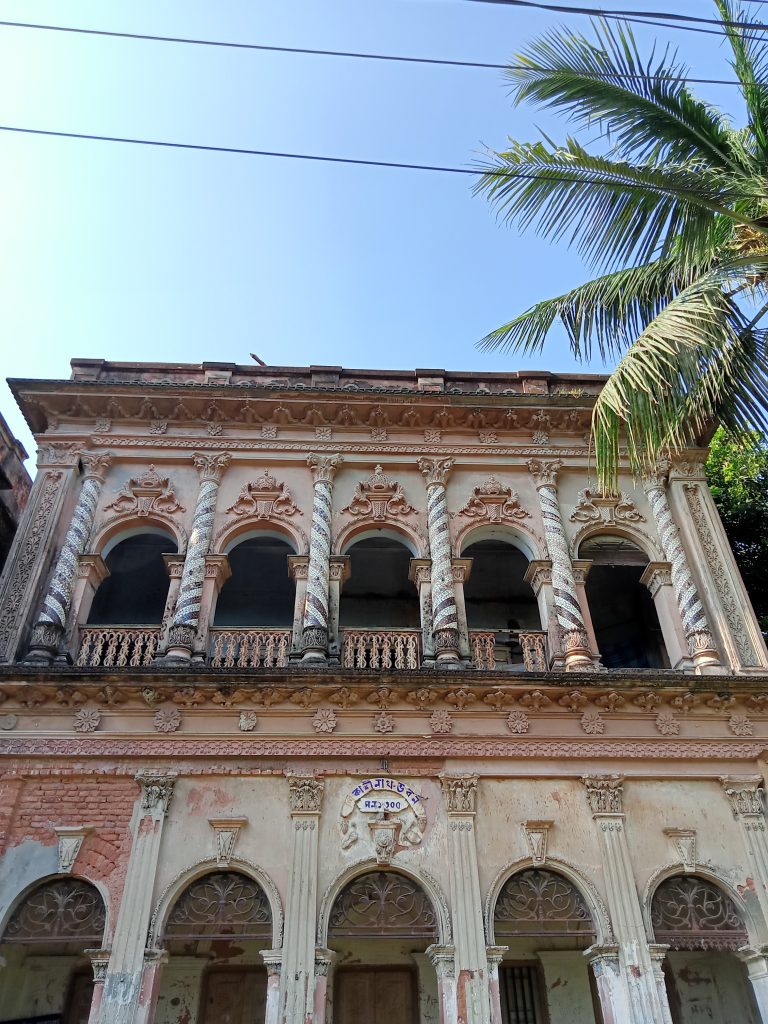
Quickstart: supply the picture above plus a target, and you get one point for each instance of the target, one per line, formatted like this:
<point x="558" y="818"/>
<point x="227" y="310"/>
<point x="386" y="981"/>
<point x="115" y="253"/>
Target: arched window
<point x="382" y="904"/>
<point x="259" y="592"/>
<point x="135" y="592"/>
<point x="542" y="902"/>
<point x="688" y="912"/>
<point x="221" y="903"/>
<point x="623" y="614"/>
<point x="60" y="911"/>
<point x="378" y="593"/>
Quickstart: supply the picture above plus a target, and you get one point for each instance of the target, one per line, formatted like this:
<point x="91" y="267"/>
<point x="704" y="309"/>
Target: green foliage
<point x="737" y="472"/>
<point x="673" y="209"/>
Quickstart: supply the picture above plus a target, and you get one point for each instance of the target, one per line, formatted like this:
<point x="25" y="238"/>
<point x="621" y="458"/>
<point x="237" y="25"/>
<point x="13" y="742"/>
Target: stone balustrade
<point x="249" y="648"/>
<point x="484" y="643"/>
<point x="117" y="646"/>
<point x="381" y="649"/>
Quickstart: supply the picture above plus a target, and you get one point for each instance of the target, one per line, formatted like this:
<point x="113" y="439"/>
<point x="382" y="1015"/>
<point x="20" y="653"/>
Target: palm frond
<point x="643" y="105"/>
<point x="615" y="210"/>
<point x="750" y="62"/>
<point x="699" y="360"/>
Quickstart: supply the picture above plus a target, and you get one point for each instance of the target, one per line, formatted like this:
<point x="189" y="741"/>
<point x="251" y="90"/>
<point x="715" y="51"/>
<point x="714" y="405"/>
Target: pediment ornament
<point x="592" y="506"/>
<point x="264" y="498"/>
<point x="493" y="501"/>
<point x="378" y="497"/>
<point x="144" y="494"/>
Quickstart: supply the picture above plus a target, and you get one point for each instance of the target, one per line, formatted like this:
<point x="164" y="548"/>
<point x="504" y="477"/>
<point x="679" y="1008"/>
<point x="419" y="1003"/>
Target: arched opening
<point x="214" y="933"/>
<point x="382" y="922"/>
<point x="260" y="591"/>
<point x="703" y="928"/>
<point x="47" y="975"/>
<point x="500" y="604"/>
<point x="546" y="923"/>
<point x="135" y="592"/>
<point x="623" y="614"/>
<point x="379" y="608"/>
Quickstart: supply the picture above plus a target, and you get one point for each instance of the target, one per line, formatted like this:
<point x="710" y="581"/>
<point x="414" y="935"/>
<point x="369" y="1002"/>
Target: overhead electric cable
<point x="601" y="12"/>
<point x="338" y="53"/>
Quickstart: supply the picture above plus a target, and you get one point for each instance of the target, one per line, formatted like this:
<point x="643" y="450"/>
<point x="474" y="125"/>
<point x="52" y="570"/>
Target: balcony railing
<point x="118" y="646"/>
<point x="380" y="649"/>
<point x="250" y="648"/>
<point x="494" y="650"/>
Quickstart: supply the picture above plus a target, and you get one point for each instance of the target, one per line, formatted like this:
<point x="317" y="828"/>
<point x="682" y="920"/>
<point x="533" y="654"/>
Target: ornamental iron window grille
<point x="63" y="910"/>
<point x="383" y="904"/>
<point x="221" y="903"/>
<point x="539" y="902"/>
<point x="692" y="913"/>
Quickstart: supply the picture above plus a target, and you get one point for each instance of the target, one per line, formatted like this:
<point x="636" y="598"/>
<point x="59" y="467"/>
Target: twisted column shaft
<point x="52" y="621"/>
<point x="445" y="620"/>
<point x="695" y="624"/>
<point x="316" y="615"/>
<point x="187" y="613"/>
<point x="566" y="599"/>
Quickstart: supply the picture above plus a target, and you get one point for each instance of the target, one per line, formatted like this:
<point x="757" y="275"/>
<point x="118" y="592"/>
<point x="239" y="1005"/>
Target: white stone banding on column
<point x="695" y="624"/>
<point x="570" y="620"/>
<point x="52" y="621"/>
<point x="187" y="613"/>
<point x="445" y="620"/>
<point x="316" y="615"/>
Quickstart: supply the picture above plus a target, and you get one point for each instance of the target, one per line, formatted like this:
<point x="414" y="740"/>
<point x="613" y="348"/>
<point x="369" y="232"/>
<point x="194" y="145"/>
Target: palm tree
<point x="672" y="211"/>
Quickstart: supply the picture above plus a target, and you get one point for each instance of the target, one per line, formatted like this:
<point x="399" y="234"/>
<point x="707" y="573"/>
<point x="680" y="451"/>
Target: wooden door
<point x="78" y="1008"/>
<point x="234" y="995"/>
<point x="376" y="995"/>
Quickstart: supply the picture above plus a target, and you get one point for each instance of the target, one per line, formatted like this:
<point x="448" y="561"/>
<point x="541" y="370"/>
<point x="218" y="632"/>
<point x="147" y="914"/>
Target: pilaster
<point x="298" y="570"/>
<point x="643" y="1001"/>
<point x="746" y="794"/>
<point x="657" y="579"/>
<point x="130" y="982"/>
<point x="470" y="955"/>
<point x="338" y="574"/>
<point x="756" y="961"/>
<point x="91" y="573"/>
<point x="581" y="568"/>
<point x="99" y="962"/>
<point x="216" y="572"/>
<point x="420" y="574"/>
<point x="539" y="576"/>
<point x="461" y="569"/>
<point x="298" y="972"/>
<point x="443" y="960"/>
<point x="273" y="960"/>
<point x="495" y="955"/>
<point x="174" y="566"/>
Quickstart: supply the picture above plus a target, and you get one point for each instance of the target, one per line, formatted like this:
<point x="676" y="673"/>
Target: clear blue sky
<point x="134" y="253"/>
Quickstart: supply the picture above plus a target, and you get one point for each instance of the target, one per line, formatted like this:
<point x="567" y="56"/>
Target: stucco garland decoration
<point x="600" y="915"/>
<point x="144" y="494"/>
<point x="180" y="881"/>
<point x="378" y="498"/>
<point x="722" y="584"/>
<point x="423" y="878"/>
<point x="264" y="498"/>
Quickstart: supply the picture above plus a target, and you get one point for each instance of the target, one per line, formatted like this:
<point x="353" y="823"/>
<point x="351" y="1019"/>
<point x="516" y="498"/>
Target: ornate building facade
<point x="333" y="696"/>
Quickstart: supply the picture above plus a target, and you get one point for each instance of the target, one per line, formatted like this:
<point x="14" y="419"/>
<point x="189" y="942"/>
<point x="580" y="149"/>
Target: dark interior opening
<point x="378" y="593"/>
<point x="259" y="592"/>
<point x="496" y="595"/>
<point x="135" y="592"/>
<point x="623" y="614"/>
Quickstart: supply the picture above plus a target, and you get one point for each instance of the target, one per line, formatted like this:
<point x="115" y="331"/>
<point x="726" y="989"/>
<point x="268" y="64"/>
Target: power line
<point x="304" y="156"/>
<point x="600" y="12"/>
<point x="336" y="53"/>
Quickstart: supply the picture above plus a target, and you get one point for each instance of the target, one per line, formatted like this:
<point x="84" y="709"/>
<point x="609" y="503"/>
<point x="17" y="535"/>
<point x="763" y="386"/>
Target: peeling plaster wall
<point x="710" y="987"/>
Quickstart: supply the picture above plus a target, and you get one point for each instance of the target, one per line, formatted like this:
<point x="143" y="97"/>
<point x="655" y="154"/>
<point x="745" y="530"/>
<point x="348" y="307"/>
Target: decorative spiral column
<point x="314" y="634"/>
<point x="701" y="644"/>
<point x="573" y="630"/>
<point x="186" y="616"/>
<point x="445" y="619"/>
<point x="52" y="621"/>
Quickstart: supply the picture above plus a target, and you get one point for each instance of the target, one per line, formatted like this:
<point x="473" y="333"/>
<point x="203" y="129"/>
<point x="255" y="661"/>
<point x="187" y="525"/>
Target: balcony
<point x="249" y="648"/>
<point x="118" y="646"/>
<point x="509" y="650"/>
<point x="381" y="649"/>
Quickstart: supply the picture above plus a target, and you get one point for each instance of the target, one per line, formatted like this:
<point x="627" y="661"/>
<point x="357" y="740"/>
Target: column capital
<point x="156" y="791"/>
<point x="657" y="575"/>
<point x="600" y="956"/>
<point x="538" y="573"/>
<point x="218" y="569"/>
<point x="655" y="477"/>
<point x="324" y="467"/>
<point x="273" y="960"/>
<point x="756" y="960"/>
<point x="339" y="568"/>
<point x="495" y="954"/>
<point x="436" y="471"/>
<point x="544" y="473"/>
<point x="460" y="793"/>
<point x="581" y="568"/>
<point x="689" y="467"/>
<point x="420" y="572"/>
<point x="305" y="794"/>
<point x="442" y="959"/>
<point x="95" y="465"/>
<point x="604" y="793"/>
<point x="324" y="960"/>
<point x="92" y="568"/>
<point x="657" y="951"/>
<point x="298" y="567"/>
<point x="745" y="793"/>
<point x="99" y="962"/>
<point x="210" y="466"/>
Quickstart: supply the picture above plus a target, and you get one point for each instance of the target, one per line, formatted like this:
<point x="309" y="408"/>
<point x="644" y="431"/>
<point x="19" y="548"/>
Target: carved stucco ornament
<point x="536" y="834"/>
<point x="144" y="494"/>
<point x="592" y="506"/>
<point x="70" y="839"/>
<point x="226" y="832"/>
<point x="389" y="830"/>
<point x="684" y="843"/>
<point x="378" y="497"/>
<point x="493" y="501"/>
<point x="264" y="498"/>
